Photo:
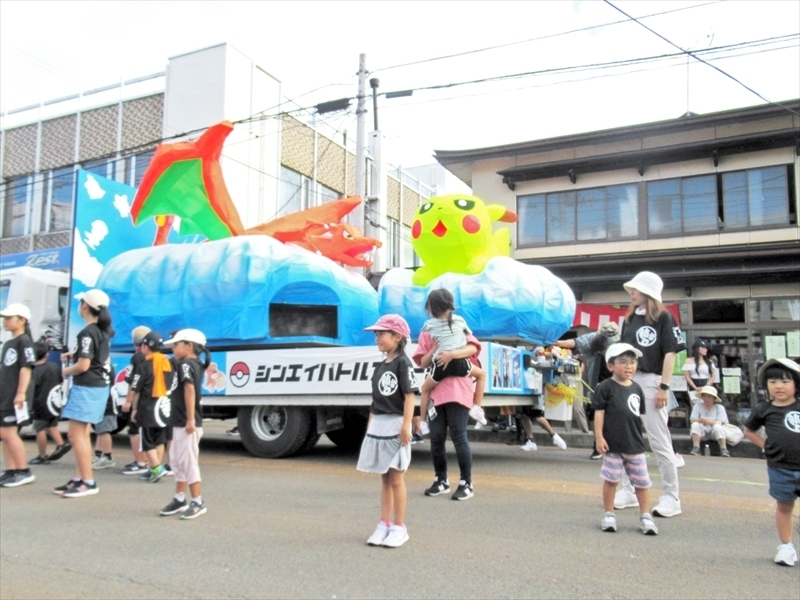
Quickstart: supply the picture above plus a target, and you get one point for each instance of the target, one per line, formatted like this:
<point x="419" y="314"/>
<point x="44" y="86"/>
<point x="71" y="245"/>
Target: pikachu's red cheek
<point x="471" y="224"/>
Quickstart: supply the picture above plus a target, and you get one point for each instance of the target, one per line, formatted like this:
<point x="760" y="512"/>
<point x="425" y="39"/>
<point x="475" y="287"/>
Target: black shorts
<point x="459" y="367"/>
<point x="532" y="412"/>
<point x="133" y="428"/>
<point x="8" y="418"/>
<point x="168" y="429"/>
<point x="151" y="438"/>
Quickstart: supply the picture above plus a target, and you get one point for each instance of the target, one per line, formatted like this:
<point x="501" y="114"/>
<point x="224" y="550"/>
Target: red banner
<point x="594" y="315"/>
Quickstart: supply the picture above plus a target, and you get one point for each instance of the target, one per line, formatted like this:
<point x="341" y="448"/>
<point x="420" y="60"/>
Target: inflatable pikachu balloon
<point x="453" y="234"/>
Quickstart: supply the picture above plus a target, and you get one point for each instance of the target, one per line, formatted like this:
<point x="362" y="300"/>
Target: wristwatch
<point x="663" y="386"/>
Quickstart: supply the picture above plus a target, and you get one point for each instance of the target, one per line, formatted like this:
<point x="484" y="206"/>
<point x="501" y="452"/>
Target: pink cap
<point x="394" y="323"/>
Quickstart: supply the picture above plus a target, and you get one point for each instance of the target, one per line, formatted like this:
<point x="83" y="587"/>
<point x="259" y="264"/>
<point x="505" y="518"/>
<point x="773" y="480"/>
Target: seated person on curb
<point x="449" y="332"/>
<point x="707" y="420"/>
<point x="618" y="403"/>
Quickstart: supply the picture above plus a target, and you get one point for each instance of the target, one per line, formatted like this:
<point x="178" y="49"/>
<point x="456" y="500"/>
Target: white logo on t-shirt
<point x="163" y="409"/>
<point x="86" y="345"/>
<point x="412" y="377"/>
<point x="676" y="331"/>
<point x="646" y="336"/>
<point x="634" y="402"/>
<point x="387" y="384"/>
<point x="792" y="421"/>
<point x="10" y="358"/>
<point x="55" y="401"/>
<point x="29" y="355"/>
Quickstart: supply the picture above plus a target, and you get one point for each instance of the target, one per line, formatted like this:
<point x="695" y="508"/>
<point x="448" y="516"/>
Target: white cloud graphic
<point x="85" y="267"/>
<point x="93" y="188"/>
<point x="97" y="234"/>
<point x="121" y="204"/>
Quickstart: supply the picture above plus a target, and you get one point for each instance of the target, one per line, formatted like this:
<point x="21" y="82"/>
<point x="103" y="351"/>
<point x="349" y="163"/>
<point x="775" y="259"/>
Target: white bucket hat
<point x="647" y="283"/>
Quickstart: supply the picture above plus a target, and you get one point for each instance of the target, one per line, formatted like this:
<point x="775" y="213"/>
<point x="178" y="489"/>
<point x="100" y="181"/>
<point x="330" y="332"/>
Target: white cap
<point x="16" y="310"/>
<point x="187" y="335"/>
<point x="95" y="298"/>
<point x="615" y="350"/>
<point x="647" y="283"/>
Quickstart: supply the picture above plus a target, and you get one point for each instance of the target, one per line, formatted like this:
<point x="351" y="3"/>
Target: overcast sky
<point x="54" y="49"/>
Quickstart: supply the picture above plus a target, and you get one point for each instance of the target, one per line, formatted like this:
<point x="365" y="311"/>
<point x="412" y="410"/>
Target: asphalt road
<point x="296" y="528"/>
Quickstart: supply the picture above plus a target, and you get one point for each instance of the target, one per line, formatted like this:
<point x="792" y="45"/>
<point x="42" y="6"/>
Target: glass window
<point x="393" y="244"/>
<point x="610" y="212"/>
<point x="409" y="256"/>
<point x="62" y="192"/>
<point x="560" y="209"/>
<point x="682" y="205"/>
<point x="718" y="311"/>
<point x="98" y="167"/>
<point x="290" y="192"/>
<point x="623" y="211"/>
<point x="140" y="163"/>
<point x="531" y="222"/>
<point x="19" y="193"/>
<point x="787" y="309"/>
<point x="756" y="197"/>
<point x="592" y="214"/>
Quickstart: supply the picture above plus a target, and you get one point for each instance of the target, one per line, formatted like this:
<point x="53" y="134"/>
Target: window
<point x="58" y="199"/>
<point x="682" y="205"/>
<point x="775" y="310"/>
<point x="393" y="245"/>
<point x="756" y="197"/>
<point x="296" y="192"/>
<point x="18" y="201"/>
<point x="100" y="167"/>
<point x="718" y="311"/>
<point x="407" y="250"/>
<point x="586" y="215"/>
<point x="139" y="164"/>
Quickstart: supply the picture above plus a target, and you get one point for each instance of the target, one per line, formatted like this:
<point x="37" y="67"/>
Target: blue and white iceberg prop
<point x="508" y="299"/>
<point x="225" y="289"/>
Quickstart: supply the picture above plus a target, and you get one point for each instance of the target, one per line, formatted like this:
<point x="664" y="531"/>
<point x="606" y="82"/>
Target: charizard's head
<point x="342" y="243"/>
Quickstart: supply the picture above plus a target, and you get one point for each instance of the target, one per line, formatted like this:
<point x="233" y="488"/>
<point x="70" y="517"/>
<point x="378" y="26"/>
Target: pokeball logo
<point x="240" y="374"/>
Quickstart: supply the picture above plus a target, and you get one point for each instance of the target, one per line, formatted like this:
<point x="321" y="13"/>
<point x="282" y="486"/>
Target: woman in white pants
<point x="652" y="330"/>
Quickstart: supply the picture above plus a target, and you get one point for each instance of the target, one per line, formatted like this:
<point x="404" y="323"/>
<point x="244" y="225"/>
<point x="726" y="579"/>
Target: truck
<point x="291" y="359"/>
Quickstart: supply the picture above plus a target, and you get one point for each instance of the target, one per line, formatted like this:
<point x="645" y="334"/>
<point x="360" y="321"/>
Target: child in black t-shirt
<point x="187" y="421"/>
<point x="47" y="403"/>
<point x="151" y="406"/>
<point x="387" y="446"/>
<point x="780" y="416"/>
<point x="618" y="403"/>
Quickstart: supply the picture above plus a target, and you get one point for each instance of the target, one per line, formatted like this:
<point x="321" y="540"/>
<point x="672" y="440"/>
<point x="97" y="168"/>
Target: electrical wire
<point x="539" y="38"/>
<point x="697" y="58"/>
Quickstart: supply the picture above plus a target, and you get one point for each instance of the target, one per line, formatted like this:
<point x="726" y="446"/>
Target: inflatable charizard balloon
<point x="184" y="179"/>
<point x="319" y="229"/>
<point x="453" y="234"/>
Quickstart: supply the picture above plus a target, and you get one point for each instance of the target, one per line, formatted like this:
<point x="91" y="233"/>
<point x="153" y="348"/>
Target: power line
<point x="539" y="38"/>
<point x="697" y="58"/>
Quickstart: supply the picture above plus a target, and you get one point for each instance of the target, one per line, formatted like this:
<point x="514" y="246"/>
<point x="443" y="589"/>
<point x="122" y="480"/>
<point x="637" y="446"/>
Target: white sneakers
<point x="476" y="412"/>
<point x="529" y="445"/>
<point x="609" y="522"/>
<point x="787" y="555"/>
<point x="391" y="537"/>
<point x="667" y="507"/>
<point x="398" y="535"/>
<point x="648" y="525"/>
<point x="625" y="499"/>
<point x="559" y="442"/>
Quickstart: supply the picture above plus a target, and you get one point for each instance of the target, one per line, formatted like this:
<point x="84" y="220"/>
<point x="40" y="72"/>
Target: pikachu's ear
<point x="501" y="213"/>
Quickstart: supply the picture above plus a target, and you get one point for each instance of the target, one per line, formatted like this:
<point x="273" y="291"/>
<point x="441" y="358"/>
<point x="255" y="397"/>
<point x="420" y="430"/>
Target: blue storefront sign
<point x="53" y="258"/>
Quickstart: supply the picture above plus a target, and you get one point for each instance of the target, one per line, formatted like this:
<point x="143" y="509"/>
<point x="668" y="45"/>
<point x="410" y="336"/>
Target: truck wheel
<point x="352" y="434"/>
<point x="273" y="431"/>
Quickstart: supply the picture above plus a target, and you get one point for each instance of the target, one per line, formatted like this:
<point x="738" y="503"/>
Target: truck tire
<point x="352" y="434"/>
<point x="273" y="431"/>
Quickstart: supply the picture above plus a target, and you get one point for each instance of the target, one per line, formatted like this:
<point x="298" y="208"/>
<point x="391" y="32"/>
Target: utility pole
<point x="361" y="132"/>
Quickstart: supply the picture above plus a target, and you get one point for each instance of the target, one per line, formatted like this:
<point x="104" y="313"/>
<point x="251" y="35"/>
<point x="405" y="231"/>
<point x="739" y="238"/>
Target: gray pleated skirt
<point x="381" y="449"/>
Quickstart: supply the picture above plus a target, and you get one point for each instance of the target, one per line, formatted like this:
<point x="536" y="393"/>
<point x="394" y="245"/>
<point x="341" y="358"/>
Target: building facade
<point x="274" y="163"/>
<point x="709" y="202"/>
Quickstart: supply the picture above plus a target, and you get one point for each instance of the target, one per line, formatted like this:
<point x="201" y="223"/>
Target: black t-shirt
<point x="47" y="381"/>
<point x="654" y="341"/>
<point x="151" y="412"/>
<point x="390" y="383"/>
<point x="622" y="427"/>
<point x="782" y="446"/>
<point x="189" y="370"/>
<point x="111" y="404"/>
<point x="136" y="360"/>
<point x="92" y="344"/>
<point x="17" y="354"/>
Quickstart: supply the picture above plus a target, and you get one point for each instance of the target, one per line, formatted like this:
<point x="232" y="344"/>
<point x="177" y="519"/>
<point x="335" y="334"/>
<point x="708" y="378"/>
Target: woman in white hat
<point x="708" y="418"/>
<point x="90" y="388"/>
<point x="650" y="328"/>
